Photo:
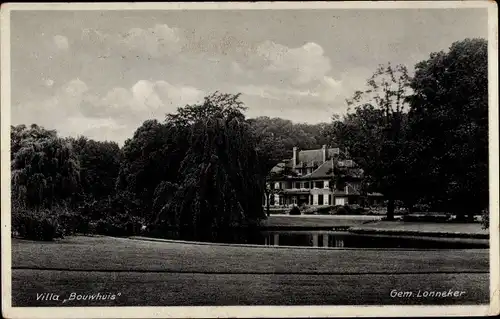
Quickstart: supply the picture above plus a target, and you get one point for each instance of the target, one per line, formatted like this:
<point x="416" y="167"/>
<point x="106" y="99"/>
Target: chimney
<point x="324" y="153"/>
<point x="295" y="156"/>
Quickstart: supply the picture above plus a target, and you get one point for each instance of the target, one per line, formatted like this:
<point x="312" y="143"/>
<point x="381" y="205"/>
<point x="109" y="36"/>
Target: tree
<point x="276" y="138"/>
<point x="99" y="166"/>
<point x="374" y="133"/>
<point x="45" y="169"/>
<point x="216" y="104"/>
<point x="220" y="185"/>
<point x="152" y="156"/>
<point x="449" y="124"/>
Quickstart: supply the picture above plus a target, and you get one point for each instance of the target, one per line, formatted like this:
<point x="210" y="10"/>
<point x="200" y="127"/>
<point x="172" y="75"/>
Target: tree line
<point x="421" y="140"/>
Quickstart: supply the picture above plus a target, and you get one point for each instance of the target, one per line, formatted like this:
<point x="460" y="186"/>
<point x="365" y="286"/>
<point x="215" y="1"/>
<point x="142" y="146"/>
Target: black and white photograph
<point x="249" y="159"/>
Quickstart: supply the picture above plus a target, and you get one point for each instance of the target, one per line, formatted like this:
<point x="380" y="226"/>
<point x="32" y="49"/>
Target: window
<point x="306" y="185"/>
<point x="297" y="184"/>
<point x="320" y="199"/>
<point x="318" y="184"/>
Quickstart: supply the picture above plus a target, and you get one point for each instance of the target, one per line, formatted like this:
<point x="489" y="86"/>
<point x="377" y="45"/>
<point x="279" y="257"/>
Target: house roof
<point x="314" y="158"/>
<point x="309" y="157"/>
<point x="323" y="170"/>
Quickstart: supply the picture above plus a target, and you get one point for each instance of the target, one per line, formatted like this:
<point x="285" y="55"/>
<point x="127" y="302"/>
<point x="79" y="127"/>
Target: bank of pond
<point x="341" y="237"/>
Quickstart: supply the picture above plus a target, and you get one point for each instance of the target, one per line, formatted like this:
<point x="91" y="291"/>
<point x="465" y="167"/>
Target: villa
<point x="307" y="180"/>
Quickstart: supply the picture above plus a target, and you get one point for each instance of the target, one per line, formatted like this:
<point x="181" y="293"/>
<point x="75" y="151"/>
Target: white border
<point x="250" y="311"/>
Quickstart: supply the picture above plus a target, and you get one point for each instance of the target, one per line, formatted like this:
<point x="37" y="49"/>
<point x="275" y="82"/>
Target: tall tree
<point x="374" y="133"/>
<point x="220" y="184"/>
<point x="152" y="156"/>
<point x="449" y="119"/>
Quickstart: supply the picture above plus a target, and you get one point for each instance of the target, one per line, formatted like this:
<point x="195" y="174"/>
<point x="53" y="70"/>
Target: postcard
<point x="249" y="159"/>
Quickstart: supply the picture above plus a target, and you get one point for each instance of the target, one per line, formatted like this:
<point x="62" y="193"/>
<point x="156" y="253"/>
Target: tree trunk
<point x="267" y="204"/>
<point x="390" y="209"/>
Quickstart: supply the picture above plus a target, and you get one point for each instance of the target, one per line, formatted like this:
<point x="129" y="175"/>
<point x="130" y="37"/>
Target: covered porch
<point x="289" y="198"/>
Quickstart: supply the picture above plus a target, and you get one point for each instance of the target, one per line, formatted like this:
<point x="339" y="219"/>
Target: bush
<point x="340" y="210"/>
<point x="36" y="225"/>
<point x="421" y="208"/>
<point x="356" y="209"/>
<point x="73" y="223"/>
<point x="119" y="225"/>
<point x="485" y="219"/>
<point x="294" y="211"/>
<point x="324" y="210"/>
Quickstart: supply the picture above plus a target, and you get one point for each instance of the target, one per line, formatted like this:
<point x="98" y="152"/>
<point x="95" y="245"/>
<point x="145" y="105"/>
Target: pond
<point x="344" y="239"/>
<point x="332" y="237"/>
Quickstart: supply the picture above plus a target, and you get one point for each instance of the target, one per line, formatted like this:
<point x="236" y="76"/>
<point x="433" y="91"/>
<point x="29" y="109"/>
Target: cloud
<point x="145" y="99"/>
<point x="48" y="82"/>
<point x="325" y="90"/>
<point x="158" y="41"/>
<point x="74" y="88"/>
<point x="61" y="111"/>
<point x="61" y="42"/>
<point x="236" y="68"/>
<point x="304" y="64"/>
<point x="275" y="79"/>
<point x="75" y="109"/>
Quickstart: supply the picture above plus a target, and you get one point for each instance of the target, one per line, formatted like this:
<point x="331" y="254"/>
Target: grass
<point x="163" y="274"/>
<point x="457" y="229"/>
<point x="164" y="289"/>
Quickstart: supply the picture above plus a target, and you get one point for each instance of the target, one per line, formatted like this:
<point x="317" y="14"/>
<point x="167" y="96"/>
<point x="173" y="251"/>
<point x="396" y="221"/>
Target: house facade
<point x="308" y="178"/>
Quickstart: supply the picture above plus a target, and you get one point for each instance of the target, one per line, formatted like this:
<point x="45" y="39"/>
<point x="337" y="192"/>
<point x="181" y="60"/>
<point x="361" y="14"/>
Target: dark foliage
<point x="36" y="225"/>
<point x="294" y="211"/>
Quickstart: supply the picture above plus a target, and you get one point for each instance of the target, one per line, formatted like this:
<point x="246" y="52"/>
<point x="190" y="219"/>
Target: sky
<point x="103" y="73"/>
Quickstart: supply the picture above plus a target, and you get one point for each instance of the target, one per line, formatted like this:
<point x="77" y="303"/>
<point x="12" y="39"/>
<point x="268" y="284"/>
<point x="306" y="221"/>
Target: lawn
<point x="158" y="273"/>
<point x="458" y="229"/>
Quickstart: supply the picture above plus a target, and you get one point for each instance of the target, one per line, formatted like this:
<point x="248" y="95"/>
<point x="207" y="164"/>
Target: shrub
<point x="36" y="225"/>
<point x="485" y="219"/>
<point x="119" y="225"/>
<point x="73" y="223"/>
<point x="324" y="210"/>
<point x="355" y="209"/>
<point x="340" y="210"/>
<point x="421" y="208"/>
<point x="294" y="211"/>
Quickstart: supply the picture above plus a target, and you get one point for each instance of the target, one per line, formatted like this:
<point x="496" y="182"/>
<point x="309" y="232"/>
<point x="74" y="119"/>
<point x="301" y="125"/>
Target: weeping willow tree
<point x="220" y="185"/>
<point x="44" y="168"/>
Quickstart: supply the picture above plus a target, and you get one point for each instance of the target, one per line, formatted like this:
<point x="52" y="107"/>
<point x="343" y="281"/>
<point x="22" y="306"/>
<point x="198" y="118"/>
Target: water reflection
<point x="341" y="239"/>
<point x="304" y="239"/>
